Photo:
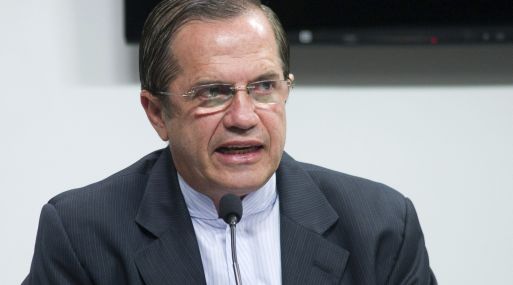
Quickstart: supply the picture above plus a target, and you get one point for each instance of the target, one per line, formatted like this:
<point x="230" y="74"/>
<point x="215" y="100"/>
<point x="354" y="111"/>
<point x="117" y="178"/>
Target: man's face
<point x="235" y="150"/>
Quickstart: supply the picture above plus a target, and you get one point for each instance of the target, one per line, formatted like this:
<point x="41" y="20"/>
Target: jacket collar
<point x="302" y="200"/>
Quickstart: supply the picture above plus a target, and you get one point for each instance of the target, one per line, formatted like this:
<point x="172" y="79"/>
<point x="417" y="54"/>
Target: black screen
<point x="136" y="12"/>
<point x="333" y="14"/>
<point x="372" y="21"/>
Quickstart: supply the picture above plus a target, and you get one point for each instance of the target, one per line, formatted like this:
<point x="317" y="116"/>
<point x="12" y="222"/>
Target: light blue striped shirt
<point x="258" y="236"/>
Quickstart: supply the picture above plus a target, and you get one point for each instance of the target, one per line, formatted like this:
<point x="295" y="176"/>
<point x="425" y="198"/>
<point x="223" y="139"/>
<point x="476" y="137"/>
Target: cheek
<point x="275" y="124"/>
<point x="191" y="134"/>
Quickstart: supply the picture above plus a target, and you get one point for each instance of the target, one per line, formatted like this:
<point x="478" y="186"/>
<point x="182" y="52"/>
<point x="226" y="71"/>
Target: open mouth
<point x="235" y="150"/>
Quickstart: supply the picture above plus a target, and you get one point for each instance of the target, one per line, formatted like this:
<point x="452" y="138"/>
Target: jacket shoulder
<point x="359" y="199"/>
<point x="127" y="185"/>
<point x="337" y="183"/>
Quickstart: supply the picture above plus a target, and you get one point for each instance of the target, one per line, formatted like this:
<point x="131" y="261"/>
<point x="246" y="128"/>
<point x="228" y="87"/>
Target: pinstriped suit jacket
<point x="134" y="228"/>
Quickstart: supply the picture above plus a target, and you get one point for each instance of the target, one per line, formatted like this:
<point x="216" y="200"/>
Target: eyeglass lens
<point x="215" y="97"/>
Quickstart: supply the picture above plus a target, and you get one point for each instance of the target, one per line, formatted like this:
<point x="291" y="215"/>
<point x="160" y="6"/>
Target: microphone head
<point x="229" y="206"/>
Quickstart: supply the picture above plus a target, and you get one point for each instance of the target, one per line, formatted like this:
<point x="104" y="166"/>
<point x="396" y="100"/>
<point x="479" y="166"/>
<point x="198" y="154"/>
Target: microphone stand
<point x="230" y="210"/>
<point x="235" y="263"/>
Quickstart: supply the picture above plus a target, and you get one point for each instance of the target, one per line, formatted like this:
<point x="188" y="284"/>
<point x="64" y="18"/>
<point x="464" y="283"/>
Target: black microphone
<point x="230" y="210"/>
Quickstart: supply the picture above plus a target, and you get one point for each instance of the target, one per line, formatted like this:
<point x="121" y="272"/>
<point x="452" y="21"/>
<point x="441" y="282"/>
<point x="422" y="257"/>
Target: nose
<point x="241" y="112"/>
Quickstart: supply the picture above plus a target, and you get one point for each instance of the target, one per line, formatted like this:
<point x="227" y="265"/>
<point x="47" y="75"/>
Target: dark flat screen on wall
<point x="376" y="22"/>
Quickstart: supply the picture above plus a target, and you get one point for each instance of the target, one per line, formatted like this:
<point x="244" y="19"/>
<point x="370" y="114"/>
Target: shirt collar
<point x="201" y="206"/>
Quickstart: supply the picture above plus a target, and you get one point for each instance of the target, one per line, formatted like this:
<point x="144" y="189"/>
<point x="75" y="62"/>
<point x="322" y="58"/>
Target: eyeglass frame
<point x="233" y="89"/>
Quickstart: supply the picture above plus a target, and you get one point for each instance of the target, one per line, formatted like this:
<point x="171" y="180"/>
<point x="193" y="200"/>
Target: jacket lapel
<point x="306" y="215"/>
<point x="173" y="257"/>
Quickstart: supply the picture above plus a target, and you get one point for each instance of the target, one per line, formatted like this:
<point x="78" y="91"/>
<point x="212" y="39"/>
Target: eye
<point x="212" y="92"/>
<point x="208" y="96"/>
<point x="263" y="87"/>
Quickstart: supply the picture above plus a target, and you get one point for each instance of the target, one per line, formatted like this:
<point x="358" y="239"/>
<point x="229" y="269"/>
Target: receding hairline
<point x="253" y="9"/>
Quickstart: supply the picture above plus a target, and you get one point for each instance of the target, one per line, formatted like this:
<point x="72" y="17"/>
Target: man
<point x="215" y="78"/>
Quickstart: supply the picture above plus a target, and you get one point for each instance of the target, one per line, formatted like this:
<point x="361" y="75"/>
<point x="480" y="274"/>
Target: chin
<point x="244" y="183"/>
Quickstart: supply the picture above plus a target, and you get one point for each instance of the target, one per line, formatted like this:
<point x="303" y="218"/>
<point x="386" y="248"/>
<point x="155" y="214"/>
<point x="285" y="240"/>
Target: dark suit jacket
<point x="134" y="228"/>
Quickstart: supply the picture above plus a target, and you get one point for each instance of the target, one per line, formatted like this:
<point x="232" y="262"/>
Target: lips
<point x="240" y="153"/>
<point x="238" y="149"/>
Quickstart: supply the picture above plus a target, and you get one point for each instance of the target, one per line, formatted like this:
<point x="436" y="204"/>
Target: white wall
<point x="442" y="136"/>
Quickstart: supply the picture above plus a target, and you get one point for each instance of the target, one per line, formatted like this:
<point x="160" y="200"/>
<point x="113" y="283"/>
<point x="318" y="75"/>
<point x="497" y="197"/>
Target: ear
<point x="291" y="78"/>
<point x="155" y="113"/>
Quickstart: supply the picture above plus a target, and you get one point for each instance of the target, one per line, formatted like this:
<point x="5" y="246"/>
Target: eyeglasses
<point x="213" y="97"/>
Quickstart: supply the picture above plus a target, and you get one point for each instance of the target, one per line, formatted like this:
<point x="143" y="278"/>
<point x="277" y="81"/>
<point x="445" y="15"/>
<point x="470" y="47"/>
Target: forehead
<point x="236" y="48"/>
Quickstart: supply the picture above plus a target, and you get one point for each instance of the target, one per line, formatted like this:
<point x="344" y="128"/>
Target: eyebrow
<point x="207" y="82"/>
<point x="266" y="76"/>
